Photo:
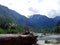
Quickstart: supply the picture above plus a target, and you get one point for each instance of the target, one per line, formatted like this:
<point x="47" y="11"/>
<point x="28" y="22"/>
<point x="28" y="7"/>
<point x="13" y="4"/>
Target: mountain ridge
<point x="35" y="21"/>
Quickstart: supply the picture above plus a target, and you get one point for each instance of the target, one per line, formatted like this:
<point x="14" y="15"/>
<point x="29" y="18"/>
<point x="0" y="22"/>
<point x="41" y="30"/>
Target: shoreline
<point x="42" y="42"/>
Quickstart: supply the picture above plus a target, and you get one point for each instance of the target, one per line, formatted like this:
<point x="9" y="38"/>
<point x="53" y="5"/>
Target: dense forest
<point x="12" y="27"/>
<point x="9" y="26"/>
<point x="55" y="29"/>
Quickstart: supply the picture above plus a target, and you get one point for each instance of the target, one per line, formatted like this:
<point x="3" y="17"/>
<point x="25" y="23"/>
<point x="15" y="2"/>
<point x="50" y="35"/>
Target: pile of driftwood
<point x="17" y="39"/>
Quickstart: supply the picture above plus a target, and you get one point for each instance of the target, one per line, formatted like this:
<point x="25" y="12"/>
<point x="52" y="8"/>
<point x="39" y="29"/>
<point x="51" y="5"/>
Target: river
<point x="41" y="38"/>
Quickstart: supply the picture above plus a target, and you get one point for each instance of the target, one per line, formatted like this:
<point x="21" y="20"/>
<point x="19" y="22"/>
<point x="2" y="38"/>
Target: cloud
<point x="30" y="7"/>
<point x="33" y="10"/>
<point x="54" y="13"/>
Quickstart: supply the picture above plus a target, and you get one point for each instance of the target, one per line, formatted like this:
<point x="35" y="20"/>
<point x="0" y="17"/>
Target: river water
<point x="41" y="38"/>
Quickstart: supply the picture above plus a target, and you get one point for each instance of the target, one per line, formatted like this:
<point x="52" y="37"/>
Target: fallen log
<point x="17" y="39"/>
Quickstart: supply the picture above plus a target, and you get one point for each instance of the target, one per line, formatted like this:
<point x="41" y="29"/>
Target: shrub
<point x="46" y="41"/>
<point x="1" y="31"/>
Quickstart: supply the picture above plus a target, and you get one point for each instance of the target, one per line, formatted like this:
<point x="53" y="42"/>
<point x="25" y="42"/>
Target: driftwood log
<point x="17" y="39"/>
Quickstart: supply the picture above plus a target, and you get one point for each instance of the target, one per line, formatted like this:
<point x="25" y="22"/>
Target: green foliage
<point x="58" y="39"/>
<point x="43" y="30"/>
<point x="46" y="41"/>
<point x="8" y="26"/>
<point x="9" y="31"/>
<point x="57" y="27"/>
<point x="12" y="31"/>
<point x="16" y="30"/>
<point x="1" y="31"/>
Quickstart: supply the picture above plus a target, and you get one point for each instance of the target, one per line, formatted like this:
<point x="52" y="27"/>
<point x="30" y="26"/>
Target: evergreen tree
<point x="57" y="28"/>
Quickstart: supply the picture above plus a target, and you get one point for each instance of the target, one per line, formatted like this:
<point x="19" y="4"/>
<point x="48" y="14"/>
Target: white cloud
<point x="29" y="7"/>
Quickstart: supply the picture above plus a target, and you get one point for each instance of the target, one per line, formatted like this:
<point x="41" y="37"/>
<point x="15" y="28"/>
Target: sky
<point x="50" y="8"/>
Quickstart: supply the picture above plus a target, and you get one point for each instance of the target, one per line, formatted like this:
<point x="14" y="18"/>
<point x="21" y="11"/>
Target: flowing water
<point x="41" y="38"/>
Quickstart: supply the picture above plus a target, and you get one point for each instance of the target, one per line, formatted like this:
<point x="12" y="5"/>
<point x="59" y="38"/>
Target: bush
<point x="46" y="41"/>
<point x="11" y="31"/>
<point x="1" y="31"/>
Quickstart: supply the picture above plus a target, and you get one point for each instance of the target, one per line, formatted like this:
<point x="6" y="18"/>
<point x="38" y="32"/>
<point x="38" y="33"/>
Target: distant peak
<point x="38" y="15"/>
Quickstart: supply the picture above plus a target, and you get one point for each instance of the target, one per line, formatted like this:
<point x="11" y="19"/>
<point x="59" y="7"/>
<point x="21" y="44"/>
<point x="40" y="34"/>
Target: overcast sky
<point x="50" y="8"/>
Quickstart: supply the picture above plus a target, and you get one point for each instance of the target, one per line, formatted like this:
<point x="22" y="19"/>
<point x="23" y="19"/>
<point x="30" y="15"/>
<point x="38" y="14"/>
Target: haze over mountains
<point x="35" y="21"/>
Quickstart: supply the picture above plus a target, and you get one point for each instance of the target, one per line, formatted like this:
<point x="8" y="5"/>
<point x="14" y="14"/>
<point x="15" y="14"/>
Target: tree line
<point x="9" y="26"/>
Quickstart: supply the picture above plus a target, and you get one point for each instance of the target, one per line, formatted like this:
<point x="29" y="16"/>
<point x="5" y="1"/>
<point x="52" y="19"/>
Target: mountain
<point x="9" y="15"/>
<point x="35" y="21"/>
<point x="41" y="21"/>
<point x="57" y="18"/>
